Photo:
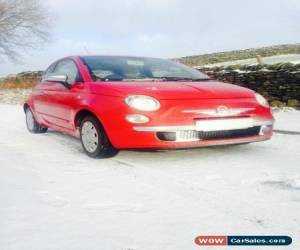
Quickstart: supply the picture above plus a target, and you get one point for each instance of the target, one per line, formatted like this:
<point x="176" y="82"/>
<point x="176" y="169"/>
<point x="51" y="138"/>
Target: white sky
<point x="161" y="28"/>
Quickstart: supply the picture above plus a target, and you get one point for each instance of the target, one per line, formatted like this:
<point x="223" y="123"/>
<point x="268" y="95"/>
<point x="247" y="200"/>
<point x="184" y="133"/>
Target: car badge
<point x="223" y="110"/>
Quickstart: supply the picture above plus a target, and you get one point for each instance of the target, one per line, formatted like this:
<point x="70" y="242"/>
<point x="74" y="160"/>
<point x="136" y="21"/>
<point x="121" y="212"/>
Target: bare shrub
<point x="18" y="83"/>
<point x="23" y="25"/>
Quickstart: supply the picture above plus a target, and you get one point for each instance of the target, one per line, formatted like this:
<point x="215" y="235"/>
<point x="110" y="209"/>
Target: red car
<point x="118" y="102"/>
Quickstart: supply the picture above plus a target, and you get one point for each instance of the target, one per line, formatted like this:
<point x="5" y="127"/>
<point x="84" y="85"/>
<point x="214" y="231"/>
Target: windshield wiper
<point x="163" y="78"/>
<point x="172" y="78"/>
<point x="106" y="79"/>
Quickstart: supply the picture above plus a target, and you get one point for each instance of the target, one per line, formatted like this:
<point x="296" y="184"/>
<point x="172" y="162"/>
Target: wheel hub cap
<point x="29" y="120"/>
<point x="89" y="137"/>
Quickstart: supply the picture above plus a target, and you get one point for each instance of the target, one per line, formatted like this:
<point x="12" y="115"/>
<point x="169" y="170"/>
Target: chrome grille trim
<point x="255" y="122"/>
<point x="215" y="112"/>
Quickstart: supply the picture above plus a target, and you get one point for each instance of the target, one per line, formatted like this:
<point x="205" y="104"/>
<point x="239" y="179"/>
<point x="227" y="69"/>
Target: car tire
<point x="32" y="125"/>
<point x="94" y="139"/>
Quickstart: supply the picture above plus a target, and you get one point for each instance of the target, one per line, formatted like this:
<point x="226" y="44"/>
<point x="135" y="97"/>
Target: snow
<point x="54" y="197"/>
<point x="14" y="96"/>
<point x="288" y="58"/>
<point x="286" y="120"/>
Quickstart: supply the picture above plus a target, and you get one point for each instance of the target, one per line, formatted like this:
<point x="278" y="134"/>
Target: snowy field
<point x="53" y="197"/>
<point x="14" y="96"/>
<point x="292" y="58"/>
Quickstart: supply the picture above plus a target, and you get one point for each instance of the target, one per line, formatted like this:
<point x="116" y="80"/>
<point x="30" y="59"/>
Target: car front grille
<point x="191" y="135"/>
<point x="225" y="134"/>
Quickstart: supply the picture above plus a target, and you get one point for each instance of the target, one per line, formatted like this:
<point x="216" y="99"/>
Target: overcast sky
<point x="161" y="28"/>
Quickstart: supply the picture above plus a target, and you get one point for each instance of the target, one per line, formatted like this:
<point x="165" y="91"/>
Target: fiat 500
<point x="118" y="102"/>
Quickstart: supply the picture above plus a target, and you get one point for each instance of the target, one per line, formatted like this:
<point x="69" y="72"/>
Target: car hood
<point x="174" y="90"/>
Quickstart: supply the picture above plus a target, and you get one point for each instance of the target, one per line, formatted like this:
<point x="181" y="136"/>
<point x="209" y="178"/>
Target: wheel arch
<point x="82" y="113"/>
<point x="25" y="106"/>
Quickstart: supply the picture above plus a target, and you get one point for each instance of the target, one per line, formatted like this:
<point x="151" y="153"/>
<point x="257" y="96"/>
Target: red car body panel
<point x="56" y="106"/>
<point x="174" y="90"/>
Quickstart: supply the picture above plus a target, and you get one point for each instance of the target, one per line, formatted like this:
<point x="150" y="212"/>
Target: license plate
<point x="224" y="124"/>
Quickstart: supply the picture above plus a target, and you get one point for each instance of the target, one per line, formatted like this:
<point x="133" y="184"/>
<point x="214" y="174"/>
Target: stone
<point x="292" y="103"/>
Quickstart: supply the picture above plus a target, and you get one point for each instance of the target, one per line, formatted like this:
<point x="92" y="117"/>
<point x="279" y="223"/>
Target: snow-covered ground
<point x="292" y="58"/>
<point x="14" y="96"/>
<point x="53" y="197"/>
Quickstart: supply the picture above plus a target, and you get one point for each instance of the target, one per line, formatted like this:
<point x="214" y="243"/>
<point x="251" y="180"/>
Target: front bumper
<point x="213" y="129"/>
<point x="202" y="134"/>
<point x="209" y="125"/>
<point x="193" y="124"/>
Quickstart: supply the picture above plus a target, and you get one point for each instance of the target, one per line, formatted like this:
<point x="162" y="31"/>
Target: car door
<point x="61" y="100"/>
<point x="41" y="100"/>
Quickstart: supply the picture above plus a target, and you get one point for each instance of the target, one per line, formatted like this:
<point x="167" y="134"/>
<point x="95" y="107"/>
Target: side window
<point x="67" y="67"/>
<point x="48" y="71"/>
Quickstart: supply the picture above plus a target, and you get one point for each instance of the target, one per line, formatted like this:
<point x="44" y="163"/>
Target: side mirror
<point x="63" y="79"/>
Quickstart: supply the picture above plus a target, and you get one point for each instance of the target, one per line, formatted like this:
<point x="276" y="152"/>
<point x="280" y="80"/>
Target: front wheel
<point x="94" y="139"/>
<point x="32" y="124"/>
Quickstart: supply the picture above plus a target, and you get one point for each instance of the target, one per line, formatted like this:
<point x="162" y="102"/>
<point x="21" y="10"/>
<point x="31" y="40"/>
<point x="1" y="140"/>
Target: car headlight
<point x="261" y="100"/>
<point x="142" y="102"/>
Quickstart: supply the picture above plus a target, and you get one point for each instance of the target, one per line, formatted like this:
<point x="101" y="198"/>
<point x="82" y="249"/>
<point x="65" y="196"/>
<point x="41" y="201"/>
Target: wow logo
<point x="243" y="240"/>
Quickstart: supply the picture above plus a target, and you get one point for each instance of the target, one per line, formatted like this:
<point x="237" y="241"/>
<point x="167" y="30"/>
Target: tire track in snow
<point x="183" y="190"/>
<point x="286" y="132"/>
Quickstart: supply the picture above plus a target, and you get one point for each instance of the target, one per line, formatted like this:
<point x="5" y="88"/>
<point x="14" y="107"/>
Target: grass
<point x="220" y="57"/>
<point x="18" y="83"/>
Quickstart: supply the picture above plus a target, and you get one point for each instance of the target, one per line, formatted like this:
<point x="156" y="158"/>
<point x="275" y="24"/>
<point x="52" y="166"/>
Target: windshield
<point x="120" y="68"/>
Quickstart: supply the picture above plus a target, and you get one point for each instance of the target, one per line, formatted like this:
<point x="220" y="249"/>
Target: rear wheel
<point x="94" y="139"/>
<point x="32" y="124"/>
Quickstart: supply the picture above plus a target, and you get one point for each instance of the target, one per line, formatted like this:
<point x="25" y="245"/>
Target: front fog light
<point x="137" y="118"/>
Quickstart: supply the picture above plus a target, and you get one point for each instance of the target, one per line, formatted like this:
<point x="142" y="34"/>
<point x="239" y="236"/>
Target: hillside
<point x="220" y="57"/>
<point x="22" y="80"/>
